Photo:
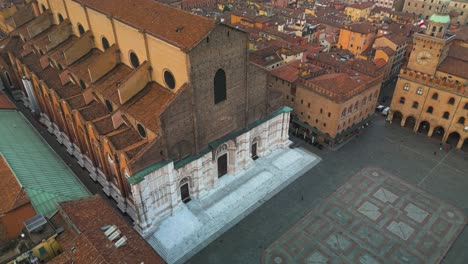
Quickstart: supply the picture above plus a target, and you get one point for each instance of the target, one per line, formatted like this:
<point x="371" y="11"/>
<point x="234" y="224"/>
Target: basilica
<point x="156" y="103"/>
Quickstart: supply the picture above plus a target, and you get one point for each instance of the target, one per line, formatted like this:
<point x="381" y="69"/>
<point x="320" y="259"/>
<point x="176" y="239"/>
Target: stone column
<point x="460" y="143"/>
<point x="431" y="130"/>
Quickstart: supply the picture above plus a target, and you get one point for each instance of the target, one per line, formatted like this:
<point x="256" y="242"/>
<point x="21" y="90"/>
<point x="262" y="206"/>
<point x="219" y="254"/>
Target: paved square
<point x="372" y="218"/>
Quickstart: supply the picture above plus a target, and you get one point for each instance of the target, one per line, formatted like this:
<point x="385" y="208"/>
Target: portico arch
<point x="438" y="133"/>
<point x="410" y="122"/>
<point x="453" y="139"/>
<point x="397" y="117"/>
<point x="424" y="127"/>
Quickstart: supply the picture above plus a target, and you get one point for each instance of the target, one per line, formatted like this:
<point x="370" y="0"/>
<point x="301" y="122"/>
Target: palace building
<point x="156" y="103"/>
<point x="431" y="94"/>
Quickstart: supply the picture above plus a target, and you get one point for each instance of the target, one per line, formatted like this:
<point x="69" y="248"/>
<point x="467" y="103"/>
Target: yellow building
<point x="357" y="37"/>
<point x="359" y="11"/>
<point x="431" y="94"/>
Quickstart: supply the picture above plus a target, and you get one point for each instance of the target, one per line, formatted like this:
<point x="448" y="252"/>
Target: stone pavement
<point x="399" y="151"/>
<point x="372" y="218"/>
<point x="195" y="224"/>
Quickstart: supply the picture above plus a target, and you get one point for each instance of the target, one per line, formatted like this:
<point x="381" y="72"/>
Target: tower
<point x="431" y="47"/>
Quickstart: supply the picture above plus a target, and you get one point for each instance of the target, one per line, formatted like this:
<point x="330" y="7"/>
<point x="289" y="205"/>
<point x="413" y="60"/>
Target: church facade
<point x="431" y="95"/>
<point x="156" y="103"/>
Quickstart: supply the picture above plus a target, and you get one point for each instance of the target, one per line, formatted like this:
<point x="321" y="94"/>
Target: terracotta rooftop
<point x="76" y="102"/>
<point x="456" y="62"/>
<point x="90" y="245"/>
<point x="455" y="67"/>
<point x="93" y="111"/>
<point x="81" y="66"/>
<point x="104" y="125"/>
<point x="12" y="194"/>
<point x="148" y="104"/>
<point x="170" y="24"/>
<point x="124" y="138"/>
<point x="363" y="27"/>
<point x="5" y="102"/>
<point x="108" y="84"/>
<point x="67" y="91"/>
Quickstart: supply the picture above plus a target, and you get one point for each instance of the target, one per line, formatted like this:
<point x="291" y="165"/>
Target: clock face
<point x="424" y="57"/>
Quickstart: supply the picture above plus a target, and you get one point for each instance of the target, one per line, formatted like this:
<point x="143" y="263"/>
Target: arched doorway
<point x="453" y="139"/>
<point x="410" y="122"/>
<point x="397" y="117"/>
<point x="424" y="127"/>
<point x="185" y="190"/>
<point x="438" y="133"/>
<point x="222" y="165"/>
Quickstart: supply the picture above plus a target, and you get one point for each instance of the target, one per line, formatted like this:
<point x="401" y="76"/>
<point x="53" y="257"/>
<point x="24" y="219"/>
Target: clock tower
<point x="431" y="47"/>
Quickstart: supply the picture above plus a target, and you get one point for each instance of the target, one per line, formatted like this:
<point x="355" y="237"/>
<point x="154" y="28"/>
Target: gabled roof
<point x="12" y="194"/>
<point x="175" y="26"/>
<point x="89" y="215"/>
<point x="43" y="175"/>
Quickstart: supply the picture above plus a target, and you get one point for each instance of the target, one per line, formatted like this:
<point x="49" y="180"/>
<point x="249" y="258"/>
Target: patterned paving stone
<point x="400" y="229"/>
<point x="370" y="210"/>
<point x="373" y="218"/>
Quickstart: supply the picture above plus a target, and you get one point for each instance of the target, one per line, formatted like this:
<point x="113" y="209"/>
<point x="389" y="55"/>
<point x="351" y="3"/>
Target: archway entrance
<point x="424" y="127"/>
<point x="222" y="165"/>
<point x="254" y="151"/>
<point x="410" y="122"/>
<point x="438" y="133"/>
<point x="397" y="117"/>
<point x="453" y="139"/>
<point x="185" y="191"/>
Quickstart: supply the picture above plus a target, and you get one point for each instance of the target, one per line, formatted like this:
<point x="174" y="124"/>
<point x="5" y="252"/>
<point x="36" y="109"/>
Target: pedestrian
<point x="435" y="153"/>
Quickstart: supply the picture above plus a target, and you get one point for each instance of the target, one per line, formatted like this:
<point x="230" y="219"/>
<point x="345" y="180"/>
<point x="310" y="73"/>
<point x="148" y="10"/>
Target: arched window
<point x="141" y="130"/>
<point x="364" y="101"/>
<point x="356" y="106"/>
<point x="435" y="96"/>
<point x="466" y="106"/>
<point x="430" y="109"/>
<point x="406" y="87"/>
<point x="105" y="43"/>
<point x="109" y="106"/>
<point x="440" y="29"/>
<point x="81" y="29"/>
<point x="219" y="86"/>
<point x="343" y="113"/>
<point x="446" y="115"/>
<point x="461" y="120"/>
<point x="43" y="8"/>
<point x="169" y="79"/>
<point x="402" y="100"/>
<point x="451" y="101"/>
<point x="60" y="18"/>
<point x="419" y="91"/>
<point x="7" y="75"/>
<point x="321" y="110"/>
<point x="415" y="105"/>
<point x="134" y="60"/>
<point x="433" y="28"/>
<point x="60" y="67"/>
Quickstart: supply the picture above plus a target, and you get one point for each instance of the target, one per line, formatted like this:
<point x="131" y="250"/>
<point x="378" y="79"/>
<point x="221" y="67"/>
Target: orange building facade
<point x="357" y="37"/>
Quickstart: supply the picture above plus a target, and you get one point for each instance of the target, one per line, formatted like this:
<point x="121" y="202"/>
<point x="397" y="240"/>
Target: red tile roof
<point x="5" y="103"/>
<point x="12" y="194"/>
<point x="172" y="25"/>
<point x="90" y="244"/>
